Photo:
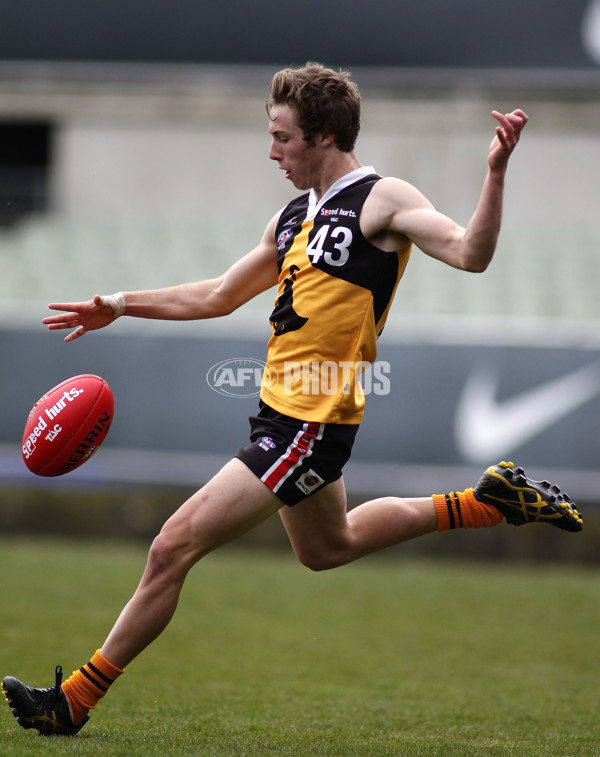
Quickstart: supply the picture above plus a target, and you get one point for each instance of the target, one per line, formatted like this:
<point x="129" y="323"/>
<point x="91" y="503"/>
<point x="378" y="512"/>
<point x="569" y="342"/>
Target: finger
<point x="75" y="334"/>
<point x="62" y="318"/>
<point x="521" y="114"/>
<point x="69" y="325"/>
<point x="67" y="321"/>
<point x="502" y="138"/>
<point x="515" y="120"/>
<point x="61" y="306"/>
<point x="515" y="124"/>
<point x="508" y="133"/>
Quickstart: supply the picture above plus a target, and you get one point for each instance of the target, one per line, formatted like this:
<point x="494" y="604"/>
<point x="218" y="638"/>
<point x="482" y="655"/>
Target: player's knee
<point x="165" y="557"/>
<point x="158" y="557"/>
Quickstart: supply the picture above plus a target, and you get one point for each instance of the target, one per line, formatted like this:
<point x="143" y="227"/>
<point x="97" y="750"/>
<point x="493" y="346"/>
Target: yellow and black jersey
<point x="335" y="291"/>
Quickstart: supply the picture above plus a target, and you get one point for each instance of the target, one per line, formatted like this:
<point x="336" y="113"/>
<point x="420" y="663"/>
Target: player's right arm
<point x="211" y="298"/>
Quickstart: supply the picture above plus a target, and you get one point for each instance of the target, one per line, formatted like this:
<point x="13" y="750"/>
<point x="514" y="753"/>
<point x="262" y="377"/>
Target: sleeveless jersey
<point x="335" y="291"/>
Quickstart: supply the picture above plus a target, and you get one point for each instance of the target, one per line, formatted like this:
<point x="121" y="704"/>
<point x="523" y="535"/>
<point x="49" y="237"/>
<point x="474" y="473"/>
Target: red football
<point x="67" y="425"/>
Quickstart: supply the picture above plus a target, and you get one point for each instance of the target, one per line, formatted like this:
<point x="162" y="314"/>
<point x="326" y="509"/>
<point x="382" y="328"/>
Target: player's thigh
<point x="319" y="523"/>
<point x="233" y="502"/>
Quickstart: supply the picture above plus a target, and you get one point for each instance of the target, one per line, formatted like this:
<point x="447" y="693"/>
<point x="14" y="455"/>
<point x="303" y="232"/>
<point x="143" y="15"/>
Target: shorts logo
<point x="267" y="443"/>
<point x="309" y="481"/>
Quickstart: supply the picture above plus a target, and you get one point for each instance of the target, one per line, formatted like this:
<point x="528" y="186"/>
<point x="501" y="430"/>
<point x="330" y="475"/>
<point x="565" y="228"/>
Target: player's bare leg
<point x="324" y="535"/>
<point x="231" y="504"/>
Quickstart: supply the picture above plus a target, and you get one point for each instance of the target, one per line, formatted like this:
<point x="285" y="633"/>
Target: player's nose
<point x="274" y="151"/>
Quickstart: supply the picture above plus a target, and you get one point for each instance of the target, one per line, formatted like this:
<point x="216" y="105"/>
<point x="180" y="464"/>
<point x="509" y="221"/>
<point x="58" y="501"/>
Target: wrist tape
<point x="116" y="302"/>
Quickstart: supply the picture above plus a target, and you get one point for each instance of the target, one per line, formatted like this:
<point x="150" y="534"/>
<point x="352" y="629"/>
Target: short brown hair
<point x="325" y="102"/>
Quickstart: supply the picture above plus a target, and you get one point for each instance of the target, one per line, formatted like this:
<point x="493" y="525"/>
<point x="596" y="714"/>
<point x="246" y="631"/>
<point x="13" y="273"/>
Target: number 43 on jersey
<point x="330" y="243"/>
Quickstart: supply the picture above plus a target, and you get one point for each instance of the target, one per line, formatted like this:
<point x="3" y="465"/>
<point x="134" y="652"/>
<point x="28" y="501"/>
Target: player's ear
<point x="326" y="140"/>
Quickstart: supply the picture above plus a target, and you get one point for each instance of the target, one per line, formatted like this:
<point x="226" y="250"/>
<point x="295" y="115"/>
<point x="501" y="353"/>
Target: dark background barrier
<point x="506" y="34"/>
<point x="431" y="407"/>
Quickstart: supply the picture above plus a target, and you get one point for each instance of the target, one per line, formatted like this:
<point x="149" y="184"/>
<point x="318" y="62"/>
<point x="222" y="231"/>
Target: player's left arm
<point x="210" y="298"/>
<point x="408" y="214"/>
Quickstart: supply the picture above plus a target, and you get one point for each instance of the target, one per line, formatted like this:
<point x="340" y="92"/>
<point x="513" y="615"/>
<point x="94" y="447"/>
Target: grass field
<point x="384" y="657"/>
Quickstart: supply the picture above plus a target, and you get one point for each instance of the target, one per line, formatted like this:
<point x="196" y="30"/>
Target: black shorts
<point x="296" y="458"/>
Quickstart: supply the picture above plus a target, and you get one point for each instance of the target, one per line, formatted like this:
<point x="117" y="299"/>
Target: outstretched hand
<point x="80" y="316"/>
<point x="507" y="136"/>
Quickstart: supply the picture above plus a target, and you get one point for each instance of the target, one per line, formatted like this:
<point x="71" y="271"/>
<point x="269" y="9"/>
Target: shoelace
<point x="38" y="694"/>
<point x="58" y="674"/>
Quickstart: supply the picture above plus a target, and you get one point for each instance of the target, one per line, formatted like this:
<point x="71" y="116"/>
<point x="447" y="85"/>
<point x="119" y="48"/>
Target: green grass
<point x="384" y="657"/>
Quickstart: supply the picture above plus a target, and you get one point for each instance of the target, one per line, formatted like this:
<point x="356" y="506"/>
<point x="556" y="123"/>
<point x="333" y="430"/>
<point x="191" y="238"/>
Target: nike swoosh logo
<point x="590" y="30"/>
<point x="487" y="429"/>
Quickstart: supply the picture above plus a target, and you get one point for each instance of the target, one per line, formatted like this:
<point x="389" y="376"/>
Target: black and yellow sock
<point x="462" y="510"/>
<point x="86" y="686"/>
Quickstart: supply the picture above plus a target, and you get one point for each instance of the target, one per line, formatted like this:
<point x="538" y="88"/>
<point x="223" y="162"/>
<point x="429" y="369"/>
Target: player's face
<point x="300" y="161"/>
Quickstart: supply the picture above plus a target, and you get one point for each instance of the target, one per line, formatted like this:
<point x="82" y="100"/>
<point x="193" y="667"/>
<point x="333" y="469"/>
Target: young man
<point x="337" y="254"/>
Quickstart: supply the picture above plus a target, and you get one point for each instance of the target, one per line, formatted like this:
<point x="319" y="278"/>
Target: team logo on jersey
<point x="309" y="481"/>
<point x="291" y="222"/>
<point x="283" y="238"/>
